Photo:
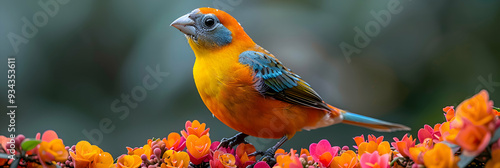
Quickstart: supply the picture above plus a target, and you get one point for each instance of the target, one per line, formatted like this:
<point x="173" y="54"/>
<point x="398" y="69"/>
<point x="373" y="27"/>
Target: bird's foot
<point x="233" y="141"/>
<point x="267" y="156"/>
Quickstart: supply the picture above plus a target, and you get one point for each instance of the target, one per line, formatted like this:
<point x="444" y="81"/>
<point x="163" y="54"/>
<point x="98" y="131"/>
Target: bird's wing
<point x="277" y="81"/>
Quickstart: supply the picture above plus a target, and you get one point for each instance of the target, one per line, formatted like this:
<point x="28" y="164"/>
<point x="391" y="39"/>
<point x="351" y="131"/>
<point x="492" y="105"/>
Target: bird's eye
<point x="209" y="22"/>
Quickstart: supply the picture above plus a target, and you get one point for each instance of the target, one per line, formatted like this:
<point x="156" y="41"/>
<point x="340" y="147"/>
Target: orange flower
<point x="175" y="142"/>
<point x="288" y="161"/>
<point x="440" y="156"/>
<point x="103" y="160"/>
<point x="146" y="150"/>
<point x="304" y="151"/>
<point x="348" y="159"/>
<point x="372" y="146"/>
<point x="85" y="154"/>
<point x="175" y="159"/>
<point x="195" y="128"/>
<point x="448" y="133"/>
<point x="478" y="109"/>
<point x="473" y="138"/>
<point x="283" y="152"/>
<point x="417" y="153"/>
<point x="242" y="152"/>
<point x="53" y="151"/>
<point x="404" y="145"/>
<point x="198" y="148"/>
<point x="227" y="160"/>
<point x="449" y="113"/>
<point x="128" y="161"/>
<point x="495" y="159"/>
<point x="371" y="137"/>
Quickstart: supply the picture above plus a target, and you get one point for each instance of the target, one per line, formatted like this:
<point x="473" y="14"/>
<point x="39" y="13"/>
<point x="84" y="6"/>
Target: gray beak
<point x="185" y="24"/>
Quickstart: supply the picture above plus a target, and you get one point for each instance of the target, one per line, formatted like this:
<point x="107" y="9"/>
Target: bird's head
<point x="211" y="29"/>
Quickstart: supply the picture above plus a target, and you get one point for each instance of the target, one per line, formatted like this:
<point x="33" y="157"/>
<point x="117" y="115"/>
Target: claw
<point x="267" y="156"/>
<point x="257" y="153"/>
<point x="233" y="141"/>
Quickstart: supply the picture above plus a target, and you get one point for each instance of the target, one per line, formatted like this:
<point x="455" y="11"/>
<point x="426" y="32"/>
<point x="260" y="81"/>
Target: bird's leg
<point x="268" y="155"/>
<point x="233" y="141"/>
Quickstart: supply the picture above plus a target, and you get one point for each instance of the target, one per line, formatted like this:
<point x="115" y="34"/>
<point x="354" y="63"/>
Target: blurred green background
<point x="430" y="54"/>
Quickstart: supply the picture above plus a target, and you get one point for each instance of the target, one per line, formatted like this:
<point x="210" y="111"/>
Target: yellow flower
<point x="85" y="154"/>
<point x="52" y="151"/>
<point x="440" y="156"/>
<point x="416" y="153"/>
<point x="146" y="149"/>
<point x="128" y="161"/>
<point x="371" y="146"/>
<point x="103" y="160"/>
<point x="448" y="132"/>
<point x="175" y="159"/>
<point x="228" y="160"/>
<point x="348" y="159"/>
<point x="198" y="148"/>
<point x="495" y="159"/>
<point x="478" y="109"/>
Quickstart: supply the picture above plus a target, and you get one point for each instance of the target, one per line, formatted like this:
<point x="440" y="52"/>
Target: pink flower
<point x="261" y="164"/>
<point x="47" y="136"/>
<point x="215" y="144"/>
<point x="373" y="160"/>
<point x="213" y="149"/>
<point x="323" y="152"/>
<point x="428" y="132"/>
<point x="404" y="145"/>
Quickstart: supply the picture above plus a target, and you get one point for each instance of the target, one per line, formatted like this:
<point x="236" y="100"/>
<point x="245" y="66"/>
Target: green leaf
<point x="29" y="144"/>
<point x="496" y="108"/>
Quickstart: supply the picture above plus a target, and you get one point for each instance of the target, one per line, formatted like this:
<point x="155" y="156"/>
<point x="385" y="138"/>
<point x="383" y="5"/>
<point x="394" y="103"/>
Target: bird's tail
<point x="371" y="123"/>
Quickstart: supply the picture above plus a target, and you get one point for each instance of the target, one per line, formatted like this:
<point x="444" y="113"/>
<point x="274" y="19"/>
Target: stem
<point x="395" y="160"/>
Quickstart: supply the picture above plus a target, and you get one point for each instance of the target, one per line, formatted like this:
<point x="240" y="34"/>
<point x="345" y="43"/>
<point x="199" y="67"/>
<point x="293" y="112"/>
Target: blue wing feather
<point x="277" y="81"/>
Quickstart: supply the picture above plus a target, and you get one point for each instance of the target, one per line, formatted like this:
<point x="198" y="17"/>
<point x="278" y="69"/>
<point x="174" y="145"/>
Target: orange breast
<point x="232" y="98"/>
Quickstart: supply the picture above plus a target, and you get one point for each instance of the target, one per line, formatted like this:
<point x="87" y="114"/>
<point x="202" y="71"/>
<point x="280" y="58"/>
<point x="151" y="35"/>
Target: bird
<point x="250" y="90"/>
